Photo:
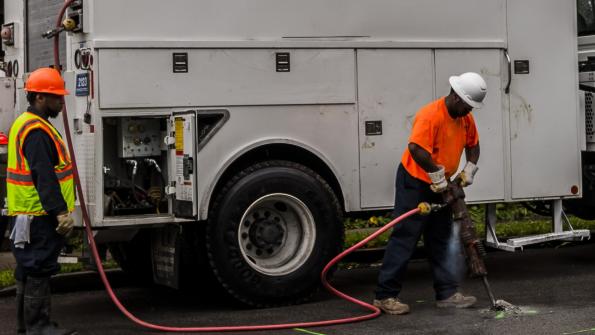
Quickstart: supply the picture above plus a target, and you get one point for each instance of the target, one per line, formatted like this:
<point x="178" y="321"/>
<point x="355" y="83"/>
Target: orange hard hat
<point x="46" y="80"/>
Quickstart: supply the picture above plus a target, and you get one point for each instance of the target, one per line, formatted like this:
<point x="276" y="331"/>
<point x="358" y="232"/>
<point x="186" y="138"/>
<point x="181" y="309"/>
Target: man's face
<point x="461" y="108"/>
<point x="52" y="104"/>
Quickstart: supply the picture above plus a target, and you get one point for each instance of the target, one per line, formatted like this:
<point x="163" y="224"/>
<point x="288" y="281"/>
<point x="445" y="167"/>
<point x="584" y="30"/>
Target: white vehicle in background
<point x="230" y="136"/>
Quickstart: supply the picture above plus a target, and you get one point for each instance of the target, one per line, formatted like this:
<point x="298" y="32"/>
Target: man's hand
<point x="466" y="176"/>
<point x="439" y="183"/>
<point x="65" y="223"/>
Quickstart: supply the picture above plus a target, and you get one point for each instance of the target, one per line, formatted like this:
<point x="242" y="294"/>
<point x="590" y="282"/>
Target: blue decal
<point x="82" y="84"/>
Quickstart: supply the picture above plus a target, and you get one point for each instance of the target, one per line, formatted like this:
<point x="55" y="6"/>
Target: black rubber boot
<point x="21" y="330"/>
<point x="37" y="307"/>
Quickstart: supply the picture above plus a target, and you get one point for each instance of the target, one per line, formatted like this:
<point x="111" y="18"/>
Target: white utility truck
<point x="231" y="136"/>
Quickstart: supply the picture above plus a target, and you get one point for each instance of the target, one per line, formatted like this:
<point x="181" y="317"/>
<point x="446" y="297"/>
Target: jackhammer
<point x="454" y="196"/>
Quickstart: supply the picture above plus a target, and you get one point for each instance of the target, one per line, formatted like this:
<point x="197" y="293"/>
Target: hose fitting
<point x="425" y="208"/>
<point x="67" y="25"/>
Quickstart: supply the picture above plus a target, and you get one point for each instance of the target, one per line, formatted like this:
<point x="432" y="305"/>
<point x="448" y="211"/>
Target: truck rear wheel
<point x="275" y="226"/>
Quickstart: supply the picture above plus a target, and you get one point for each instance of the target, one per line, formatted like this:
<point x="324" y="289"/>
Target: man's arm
<point x="472" y="154"/>
<point x="422" y="158"/>
<point x="41" y="155"/>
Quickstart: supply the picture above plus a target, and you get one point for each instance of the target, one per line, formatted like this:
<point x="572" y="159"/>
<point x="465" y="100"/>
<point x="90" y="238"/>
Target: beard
<point x="53" y="113"/>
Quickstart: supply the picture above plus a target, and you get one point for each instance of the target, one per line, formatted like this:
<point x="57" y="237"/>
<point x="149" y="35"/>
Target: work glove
<point x="439" y="183"/>
<point x="65" y="223"/>
<point x="466" y="176"/>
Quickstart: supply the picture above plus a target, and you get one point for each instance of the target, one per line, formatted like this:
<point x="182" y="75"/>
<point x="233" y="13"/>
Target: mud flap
<point x="165" y="255"/>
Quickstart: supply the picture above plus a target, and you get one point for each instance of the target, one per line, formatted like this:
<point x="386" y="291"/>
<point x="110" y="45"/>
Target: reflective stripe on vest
<point x="21" y="193"/>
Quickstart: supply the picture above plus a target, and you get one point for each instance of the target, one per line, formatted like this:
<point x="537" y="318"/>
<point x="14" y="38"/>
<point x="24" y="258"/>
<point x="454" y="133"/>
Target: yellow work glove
<point x="466" y="176"/>
<point x="65" y="223"/>
<point x="439" y="183"/>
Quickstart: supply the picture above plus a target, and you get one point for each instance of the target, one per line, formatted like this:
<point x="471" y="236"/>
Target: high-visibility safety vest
<point x="21" y="193"/>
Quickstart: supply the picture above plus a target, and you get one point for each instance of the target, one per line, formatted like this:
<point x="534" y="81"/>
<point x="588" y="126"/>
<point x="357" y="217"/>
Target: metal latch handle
<point x="507" y="88"/>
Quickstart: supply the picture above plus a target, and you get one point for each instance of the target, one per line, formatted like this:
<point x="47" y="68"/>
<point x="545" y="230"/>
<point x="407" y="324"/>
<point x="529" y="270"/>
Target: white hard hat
<point x="470" y="87"/>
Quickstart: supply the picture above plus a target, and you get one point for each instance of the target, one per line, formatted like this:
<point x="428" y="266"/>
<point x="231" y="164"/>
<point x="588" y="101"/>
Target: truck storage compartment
<point x="135" y="166"/>
<point x="223" y="77"/>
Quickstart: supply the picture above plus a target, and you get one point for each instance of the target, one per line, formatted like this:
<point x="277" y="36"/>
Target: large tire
<point x="275" y="225"/>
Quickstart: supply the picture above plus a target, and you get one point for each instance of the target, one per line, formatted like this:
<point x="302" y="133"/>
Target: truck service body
<point x="233" y="134"/>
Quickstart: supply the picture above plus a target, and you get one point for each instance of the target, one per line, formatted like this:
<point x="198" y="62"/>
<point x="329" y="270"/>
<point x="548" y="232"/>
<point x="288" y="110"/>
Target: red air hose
<point x="108" y="288"/>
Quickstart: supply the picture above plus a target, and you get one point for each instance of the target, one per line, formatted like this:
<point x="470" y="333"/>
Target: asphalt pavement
<point x="554" y="287"/>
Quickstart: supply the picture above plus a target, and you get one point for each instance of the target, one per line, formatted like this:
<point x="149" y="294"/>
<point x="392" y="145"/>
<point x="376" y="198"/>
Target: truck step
<point x="518" y="243"/>
<point x="68" y="259"/>
<point x="570" y="235"/>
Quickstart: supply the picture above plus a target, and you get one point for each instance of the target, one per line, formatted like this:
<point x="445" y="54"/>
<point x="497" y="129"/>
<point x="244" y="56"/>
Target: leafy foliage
<point x="7" y="276"/>
<point x="512" y="220"/>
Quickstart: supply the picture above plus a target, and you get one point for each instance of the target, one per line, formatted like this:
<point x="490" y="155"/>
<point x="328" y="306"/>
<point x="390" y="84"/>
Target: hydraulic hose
<point x="134" y="164"/>
<point x="323" y="276"/>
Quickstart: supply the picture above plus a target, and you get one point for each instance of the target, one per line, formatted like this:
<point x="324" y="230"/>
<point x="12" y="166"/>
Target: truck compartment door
<point x="544" y="118"/>
<point x="489" y="184"/>
<point x="392" y="86"/>
<point x="182" y="154"/>
<point x="7" y="104"/>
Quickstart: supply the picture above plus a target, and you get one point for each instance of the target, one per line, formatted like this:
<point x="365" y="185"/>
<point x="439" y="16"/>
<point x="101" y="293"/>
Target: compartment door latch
<point x="170" y="141"/>
<point x="170" y="189"/>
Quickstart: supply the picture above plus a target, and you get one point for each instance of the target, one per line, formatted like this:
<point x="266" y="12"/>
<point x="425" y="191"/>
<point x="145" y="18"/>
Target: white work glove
<point x="65" y="223"/>
<point x="439" y="183"/>
<point x="466" y="176"/>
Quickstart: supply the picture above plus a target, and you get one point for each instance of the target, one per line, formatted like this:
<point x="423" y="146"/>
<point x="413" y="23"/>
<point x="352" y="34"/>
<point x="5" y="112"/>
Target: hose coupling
<point x="425" y="208"/>
<point x="67" y="25"/>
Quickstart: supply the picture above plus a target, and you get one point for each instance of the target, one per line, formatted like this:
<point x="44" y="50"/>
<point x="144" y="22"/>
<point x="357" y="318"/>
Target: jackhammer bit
<point x="474" y="250"/>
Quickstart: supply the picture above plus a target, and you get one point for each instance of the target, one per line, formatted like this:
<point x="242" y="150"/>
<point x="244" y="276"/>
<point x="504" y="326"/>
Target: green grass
<point x="354" y="236"/>
<point x="75" y="243"/>
<point x="7" y="276"/>
<point x="513" y="220"/>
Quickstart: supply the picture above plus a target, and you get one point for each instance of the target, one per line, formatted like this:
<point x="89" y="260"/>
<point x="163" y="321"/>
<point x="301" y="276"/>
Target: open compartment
<point x="135" y="166"/>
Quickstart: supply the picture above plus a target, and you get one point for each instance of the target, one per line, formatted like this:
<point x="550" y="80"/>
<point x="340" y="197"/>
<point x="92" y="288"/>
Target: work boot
<point x="21" y="329"/>
<point x="391" y="306"/>
<point x="457" y="300"/>
<point x="37" y="307"/>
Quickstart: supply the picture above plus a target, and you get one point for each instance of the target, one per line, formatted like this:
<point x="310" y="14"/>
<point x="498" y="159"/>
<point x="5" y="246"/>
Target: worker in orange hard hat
<point x="40" y="196"/>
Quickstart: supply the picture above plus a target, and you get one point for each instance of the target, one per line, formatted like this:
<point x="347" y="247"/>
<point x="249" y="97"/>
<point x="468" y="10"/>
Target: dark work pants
<point x="39" y="258"/>
<point x="443" y="252"/>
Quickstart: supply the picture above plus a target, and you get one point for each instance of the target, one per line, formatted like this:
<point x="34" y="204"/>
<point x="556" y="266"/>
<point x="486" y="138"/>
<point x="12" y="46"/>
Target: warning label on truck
<point x="179" y="136"/>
